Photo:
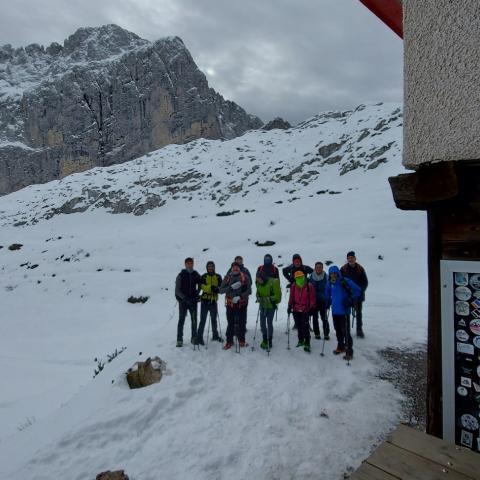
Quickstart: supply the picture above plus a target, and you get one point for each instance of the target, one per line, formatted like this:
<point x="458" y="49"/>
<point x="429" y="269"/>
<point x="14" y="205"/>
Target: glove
<point x="215" y="289"/>
<point x="236" y="299"/>
<point x="236" y="285"/>
<point x="289" y="310"/>
<point x="289" y="285"/>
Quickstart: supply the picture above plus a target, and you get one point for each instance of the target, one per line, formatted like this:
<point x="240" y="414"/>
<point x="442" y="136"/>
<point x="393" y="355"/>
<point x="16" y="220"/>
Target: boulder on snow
<point x="267" y="243"/>
<point x="15" y="246"/>
<point x="146" y="373"/>
<point x="108" y="475"/>
<point x="277" y="122"/>
<point x="141" y="299"/>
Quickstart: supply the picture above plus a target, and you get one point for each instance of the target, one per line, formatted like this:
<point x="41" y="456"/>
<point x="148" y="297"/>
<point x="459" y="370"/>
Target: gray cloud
<point x="273" y="57"/>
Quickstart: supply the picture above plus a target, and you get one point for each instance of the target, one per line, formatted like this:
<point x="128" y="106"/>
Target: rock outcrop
<point x="277" y="123"/>
<point x="105" y="97"/>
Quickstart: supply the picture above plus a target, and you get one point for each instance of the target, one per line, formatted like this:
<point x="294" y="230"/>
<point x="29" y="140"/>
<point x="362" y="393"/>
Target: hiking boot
<point x="339" y="350"/>
<point x="264" y="345"/>
<point x="300" y="343"/>
<point x="243" y="344"/>
<point x="269" y="343"/>
<point x="306" y="348"/>
<point x="179" y="343"/>
<point x="216" y="338"/>
<point x="318" y="337"/>
<point x="194" y="340"/>
<point x="228" y="346"/>
<point x="360" y="334"/>
<point x="348" y="356"/>
<point x="326" y="337"/>
<point x="200" y="341"/>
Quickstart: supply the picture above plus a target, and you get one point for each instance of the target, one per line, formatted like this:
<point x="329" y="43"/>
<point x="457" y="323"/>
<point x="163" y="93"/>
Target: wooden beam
<point x="430" y="184"/>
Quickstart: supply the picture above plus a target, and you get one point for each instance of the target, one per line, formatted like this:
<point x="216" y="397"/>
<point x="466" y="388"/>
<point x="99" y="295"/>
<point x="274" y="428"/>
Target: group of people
<point x="312" y="295"/>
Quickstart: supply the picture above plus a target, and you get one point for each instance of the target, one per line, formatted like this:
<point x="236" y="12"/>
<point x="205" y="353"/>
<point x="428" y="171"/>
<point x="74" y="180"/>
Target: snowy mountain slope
<point x="215" y="414"/>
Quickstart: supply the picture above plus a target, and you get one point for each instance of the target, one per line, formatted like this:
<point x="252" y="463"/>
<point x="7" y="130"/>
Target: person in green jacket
<point x="269" y="295"/>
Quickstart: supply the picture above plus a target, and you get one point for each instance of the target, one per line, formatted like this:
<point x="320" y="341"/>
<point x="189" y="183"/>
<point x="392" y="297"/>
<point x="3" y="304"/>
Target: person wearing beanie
<point x="211" y="282"/>
<point x="237" y="287"/>
<point x="354" y="271"/>
<point x="269" y="295"/>
<point x="296" y="265"/>
<point x="340" y="294"/>
<point x="187" y="288"/>
<point x="318" y="279"/>
<point x="301" y="303"/>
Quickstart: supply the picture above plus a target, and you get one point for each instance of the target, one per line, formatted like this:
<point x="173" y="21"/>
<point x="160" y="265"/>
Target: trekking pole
<point x="347" y="333"/>
<point x="219" y="326"/>
<point x="288" y="332"/>
<point x="323" y="345"/>
<point x="354" y="316"/>
<point x="256" y="324"/>
<point x="237" y="343"/>
<point x="208" y="328"/>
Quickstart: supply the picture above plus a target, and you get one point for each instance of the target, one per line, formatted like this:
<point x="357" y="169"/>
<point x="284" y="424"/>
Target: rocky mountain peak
<point x="105" y="97"/>
<point x="99" y="43"/>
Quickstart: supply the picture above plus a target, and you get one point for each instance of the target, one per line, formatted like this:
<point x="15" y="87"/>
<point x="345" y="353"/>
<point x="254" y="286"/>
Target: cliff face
<point x="105" y="97"/>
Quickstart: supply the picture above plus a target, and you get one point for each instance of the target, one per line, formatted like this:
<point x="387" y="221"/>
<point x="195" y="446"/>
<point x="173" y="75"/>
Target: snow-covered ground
<point x="215" y="414"/>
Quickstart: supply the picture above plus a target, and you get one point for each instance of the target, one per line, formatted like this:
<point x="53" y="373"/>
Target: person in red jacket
<point x="301" y="303"/>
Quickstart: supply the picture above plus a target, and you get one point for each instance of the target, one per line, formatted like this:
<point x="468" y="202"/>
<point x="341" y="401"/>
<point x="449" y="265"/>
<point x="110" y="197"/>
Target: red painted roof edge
<point x="389" y="11"/>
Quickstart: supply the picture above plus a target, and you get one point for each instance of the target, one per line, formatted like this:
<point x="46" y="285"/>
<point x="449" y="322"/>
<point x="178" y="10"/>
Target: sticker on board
<point x="469" y="422"/>
<point x="476" y="313"/>
<point x="466" y="348"/>
<point x="461" y="279"/>
<point x="461" y="323"/>
<point x="466" y="439"/>
<point x="462" y="308"/>
<point x="465" y="382"/>
<point x="476" y="342"/>
<point x="463" y="293"/>
<point x="462" y="335"/>
<point x="475" y="281"/>
<point x="475" y="303"/>
<point x="475" y="326"/>
<point x="462" y="391"/>
<point x="476" y="293"/>
<point x="476" y="386"/>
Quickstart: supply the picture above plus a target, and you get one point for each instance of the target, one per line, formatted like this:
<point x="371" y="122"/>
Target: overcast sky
<point x="288" y="58"/>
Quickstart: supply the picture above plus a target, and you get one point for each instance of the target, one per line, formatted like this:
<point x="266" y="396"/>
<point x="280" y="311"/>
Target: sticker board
<point x="460" y="282"/>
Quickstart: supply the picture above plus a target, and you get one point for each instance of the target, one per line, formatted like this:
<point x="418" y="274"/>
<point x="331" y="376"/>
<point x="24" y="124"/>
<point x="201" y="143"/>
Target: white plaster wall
<point x="442" y="81"/>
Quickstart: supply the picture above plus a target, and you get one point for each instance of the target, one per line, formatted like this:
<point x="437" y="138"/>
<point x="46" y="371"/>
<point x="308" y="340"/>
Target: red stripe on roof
<point x="389" y="11"/>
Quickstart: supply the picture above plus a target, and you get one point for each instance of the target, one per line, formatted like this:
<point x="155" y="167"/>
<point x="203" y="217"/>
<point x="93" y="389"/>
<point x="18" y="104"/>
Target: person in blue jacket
<point x="340" y="294"/>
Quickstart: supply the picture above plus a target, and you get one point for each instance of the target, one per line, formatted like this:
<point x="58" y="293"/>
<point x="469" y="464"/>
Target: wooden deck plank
<point x="369" y="472"/>
<point x="409" y="466"/>
<point x="450" y="456"/>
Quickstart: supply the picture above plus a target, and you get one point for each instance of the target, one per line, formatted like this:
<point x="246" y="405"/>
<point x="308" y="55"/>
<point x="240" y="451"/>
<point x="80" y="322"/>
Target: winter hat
<point x="189" y="259"/>
<point x="267" y="259"/>
<point x="210" y="262"/>
<point x="296" y="256"/>
<point x="235" y="264"/>
<point x="351" y="253"/>
<point x="334" y="269"/>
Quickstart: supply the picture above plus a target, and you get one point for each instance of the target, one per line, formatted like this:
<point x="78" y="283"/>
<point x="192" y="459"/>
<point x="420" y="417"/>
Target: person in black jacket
<point x="354" y="271"/>
<point x="211" y="282"/>
<point x="297" y="264"/>
<point x="187" y="288"/>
